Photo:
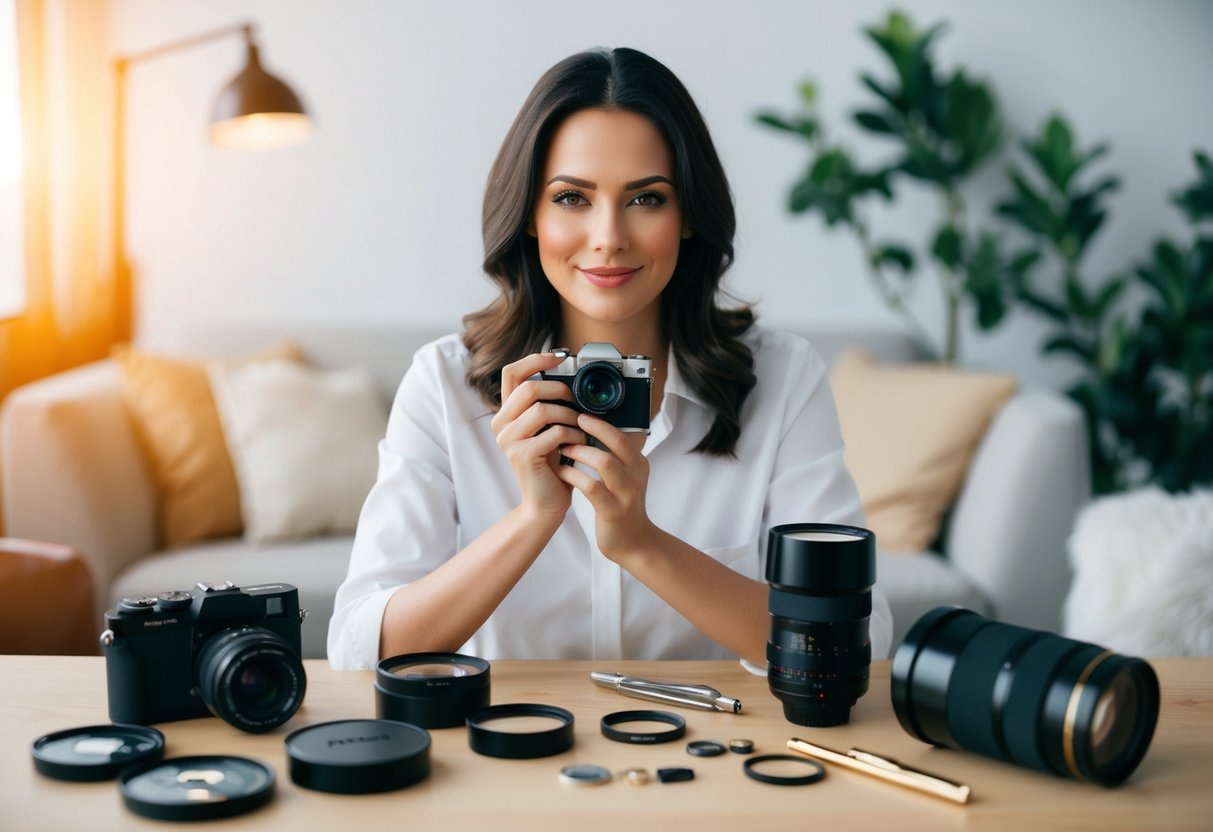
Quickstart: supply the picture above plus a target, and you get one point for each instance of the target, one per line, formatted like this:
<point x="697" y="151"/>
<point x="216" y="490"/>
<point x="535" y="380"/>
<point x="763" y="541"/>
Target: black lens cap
<point x="96" y="752"/>
<point x="359" y="756"/>
<point x="197" y="788"/>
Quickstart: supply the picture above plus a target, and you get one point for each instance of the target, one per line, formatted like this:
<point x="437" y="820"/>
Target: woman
<point x="507" y="524"/>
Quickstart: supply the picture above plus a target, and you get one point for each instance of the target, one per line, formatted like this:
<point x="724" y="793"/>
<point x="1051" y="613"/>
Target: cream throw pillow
<point x="303" y="442"/>
<point x="910" y="432"/>
<point x="173" y="411"/>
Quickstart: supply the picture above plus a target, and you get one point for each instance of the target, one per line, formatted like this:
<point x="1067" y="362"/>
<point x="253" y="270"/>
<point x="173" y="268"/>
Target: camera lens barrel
<point x="251" y="678"/>
<point x="433" y="690"/>
<point x="598" y="387"/>
<point x="1024" y="696"/>
<point x="819" y="653"/>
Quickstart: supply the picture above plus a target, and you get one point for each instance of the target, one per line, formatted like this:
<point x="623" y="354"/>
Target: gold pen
<point x="873" y="764"/>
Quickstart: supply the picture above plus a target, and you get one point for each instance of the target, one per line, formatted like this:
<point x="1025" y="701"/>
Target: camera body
<point x="617" y="389"/>
<point x="213" y="649"/>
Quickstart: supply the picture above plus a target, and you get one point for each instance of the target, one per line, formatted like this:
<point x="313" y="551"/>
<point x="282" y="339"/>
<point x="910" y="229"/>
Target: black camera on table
<point x="617" y="389"/>
<point x="220" y="650"/>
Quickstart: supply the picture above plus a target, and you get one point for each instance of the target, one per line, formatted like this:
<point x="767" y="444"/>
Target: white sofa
<point x="72" y="471"/>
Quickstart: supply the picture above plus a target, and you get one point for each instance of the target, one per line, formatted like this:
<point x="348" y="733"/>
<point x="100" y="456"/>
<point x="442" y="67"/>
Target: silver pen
<point x="670" y="693"/>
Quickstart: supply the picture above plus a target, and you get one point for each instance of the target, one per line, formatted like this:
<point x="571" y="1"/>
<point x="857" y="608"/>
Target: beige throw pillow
<point x="170" y="402"/>
<point x="304" y="444"/>
<point x="910" y="432"/>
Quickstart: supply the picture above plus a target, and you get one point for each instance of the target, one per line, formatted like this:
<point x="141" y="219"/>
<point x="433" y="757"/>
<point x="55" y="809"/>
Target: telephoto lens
<point x="819" y="654"/>
<point x="1024" y="696"/>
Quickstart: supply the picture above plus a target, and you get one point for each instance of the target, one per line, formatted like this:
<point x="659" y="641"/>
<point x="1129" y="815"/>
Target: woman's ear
<point x="530" y="227"/>
<point x="686" y="232"/>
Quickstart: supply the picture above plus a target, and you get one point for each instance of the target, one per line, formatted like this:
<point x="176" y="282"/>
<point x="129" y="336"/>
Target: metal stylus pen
<point x="670" y="693"/>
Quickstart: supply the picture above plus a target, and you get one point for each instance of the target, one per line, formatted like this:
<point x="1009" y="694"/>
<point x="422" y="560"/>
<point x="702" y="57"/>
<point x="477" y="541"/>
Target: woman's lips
<point x="609" y="278"/>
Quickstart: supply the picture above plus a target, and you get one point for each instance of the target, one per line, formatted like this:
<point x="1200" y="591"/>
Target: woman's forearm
<point x="726" y="606"/>
<point x="441" y="611"/>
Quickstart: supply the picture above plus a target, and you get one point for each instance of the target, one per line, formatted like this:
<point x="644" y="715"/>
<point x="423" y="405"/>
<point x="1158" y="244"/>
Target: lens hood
<point x="433" y="690"/>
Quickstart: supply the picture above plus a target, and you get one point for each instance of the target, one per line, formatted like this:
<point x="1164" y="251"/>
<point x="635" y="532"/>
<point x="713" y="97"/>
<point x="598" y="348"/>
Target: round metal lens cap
<point x="359" y="756"/>
<point x="705" y="748"/>
<point x="197" y="788"/>
<point x="97" y="752"/>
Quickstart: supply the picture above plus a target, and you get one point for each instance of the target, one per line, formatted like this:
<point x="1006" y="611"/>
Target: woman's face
<point x="608" y="220"/>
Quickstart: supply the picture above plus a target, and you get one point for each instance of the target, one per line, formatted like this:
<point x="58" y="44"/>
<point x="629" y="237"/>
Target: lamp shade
<point x="257" y="111"/>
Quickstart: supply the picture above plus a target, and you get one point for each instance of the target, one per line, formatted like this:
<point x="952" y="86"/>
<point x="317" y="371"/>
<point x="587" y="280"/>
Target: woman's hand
<point x="618" y="495"/>
<point x="531" y="429"/>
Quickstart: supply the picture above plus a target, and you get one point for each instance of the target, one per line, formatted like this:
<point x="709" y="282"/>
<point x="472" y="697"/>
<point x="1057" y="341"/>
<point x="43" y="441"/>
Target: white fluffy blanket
<point x="1143" y="574"/>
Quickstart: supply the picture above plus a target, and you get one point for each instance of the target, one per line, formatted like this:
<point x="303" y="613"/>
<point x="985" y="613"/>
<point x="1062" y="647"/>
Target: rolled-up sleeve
<point x="810" y="482"/>
<point x="408" y="524"/>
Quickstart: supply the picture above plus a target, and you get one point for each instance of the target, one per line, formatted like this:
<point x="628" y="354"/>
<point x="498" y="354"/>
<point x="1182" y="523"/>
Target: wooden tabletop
<point x="1172" y="789"/>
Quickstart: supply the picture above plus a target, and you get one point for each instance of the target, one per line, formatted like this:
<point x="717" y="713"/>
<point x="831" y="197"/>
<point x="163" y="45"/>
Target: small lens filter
<point x="197" y="788"/>
<point x="97" y="752"/>
<point x="359" y="756"/>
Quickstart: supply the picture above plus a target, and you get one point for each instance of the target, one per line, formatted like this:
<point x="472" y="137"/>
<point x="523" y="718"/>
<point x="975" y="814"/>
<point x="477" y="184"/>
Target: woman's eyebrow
<point x="627" y="186"/>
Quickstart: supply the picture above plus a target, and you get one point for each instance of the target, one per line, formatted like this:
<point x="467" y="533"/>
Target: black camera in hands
<point x="613" y="387"/>
<point x="220" y="650"/>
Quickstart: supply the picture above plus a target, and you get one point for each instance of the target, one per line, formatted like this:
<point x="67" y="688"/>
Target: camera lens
<point x="819" y="654"/>
<point x="433" y="690"/>
<point x="598" y="387"/>
<point x="250" y="677"/>
<point x="1024" y="696"/>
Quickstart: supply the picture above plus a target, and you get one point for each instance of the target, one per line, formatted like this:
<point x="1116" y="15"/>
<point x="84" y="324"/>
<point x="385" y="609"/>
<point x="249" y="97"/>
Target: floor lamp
<point x="255" y="111"/>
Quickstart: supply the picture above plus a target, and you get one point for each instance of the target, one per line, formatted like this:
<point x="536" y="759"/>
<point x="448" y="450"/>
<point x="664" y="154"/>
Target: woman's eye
<point x="648" y="199"/>
<point x="569" y="198"/>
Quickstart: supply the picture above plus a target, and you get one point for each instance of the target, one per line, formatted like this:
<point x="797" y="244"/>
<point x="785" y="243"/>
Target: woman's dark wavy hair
<point x="703" y="336"/>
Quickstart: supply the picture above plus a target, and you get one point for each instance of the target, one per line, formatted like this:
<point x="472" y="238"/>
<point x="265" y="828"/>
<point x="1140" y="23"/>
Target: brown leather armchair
<point x="46" y="599"/>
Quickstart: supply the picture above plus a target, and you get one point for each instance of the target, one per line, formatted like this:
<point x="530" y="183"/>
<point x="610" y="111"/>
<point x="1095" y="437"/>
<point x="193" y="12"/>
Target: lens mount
<point x="250" y="677"/>
<point x="598" y="387"/>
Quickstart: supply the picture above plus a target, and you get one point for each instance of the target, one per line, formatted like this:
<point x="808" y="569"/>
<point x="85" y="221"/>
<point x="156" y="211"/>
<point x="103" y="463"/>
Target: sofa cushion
<point x="303" y="442"/>
<point x="317" y="567"/>
<point x="910" y="432"/>
<point x="916" y="583"/>
<point x="174" y="414"/>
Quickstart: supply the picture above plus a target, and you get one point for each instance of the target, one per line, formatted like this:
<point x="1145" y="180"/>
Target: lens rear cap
<point x="197" y="788"/>
<point x="359" y="756"/>
<point x="96" y="752"/>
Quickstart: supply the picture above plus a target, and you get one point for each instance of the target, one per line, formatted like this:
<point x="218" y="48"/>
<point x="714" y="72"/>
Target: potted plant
<point x="944" y="127"/>
<point x="1143" y="338"/>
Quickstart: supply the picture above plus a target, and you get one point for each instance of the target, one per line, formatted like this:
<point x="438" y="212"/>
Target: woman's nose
<point x="609" y="232"/>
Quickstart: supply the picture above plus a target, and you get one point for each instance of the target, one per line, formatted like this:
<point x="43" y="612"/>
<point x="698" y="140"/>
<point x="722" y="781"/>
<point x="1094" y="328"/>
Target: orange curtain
<point x="74" y="312"/>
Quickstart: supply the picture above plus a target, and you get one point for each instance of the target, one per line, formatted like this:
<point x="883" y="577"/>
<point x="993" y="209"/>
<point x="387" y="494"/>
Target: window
<point x="12" y="228"/>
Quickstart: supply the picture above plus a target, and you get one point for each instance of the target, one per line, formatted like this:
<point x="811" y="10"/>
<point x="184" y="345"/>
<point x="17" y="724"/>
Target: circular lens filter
<point x="433" y="690"/>
<point x="197" y="788"/>
<point x="359" y="756"/>
<point x="97" y="752"/>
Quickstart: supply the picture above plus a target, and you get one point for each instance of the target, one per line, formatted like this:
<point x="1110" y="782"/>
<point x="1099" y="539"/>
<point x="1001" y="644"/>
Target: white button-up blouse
<point x="443" y="480"/>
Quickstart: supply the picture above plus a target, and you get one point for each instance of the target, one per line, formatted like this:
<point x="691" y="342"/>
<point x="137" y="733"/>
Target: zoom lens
<point x="1024" y="696"/>
<point x="251" y="678"/>
<point x="433" y="690"/>
<point x="819" y="654"/>
<point x="598" y="387"/>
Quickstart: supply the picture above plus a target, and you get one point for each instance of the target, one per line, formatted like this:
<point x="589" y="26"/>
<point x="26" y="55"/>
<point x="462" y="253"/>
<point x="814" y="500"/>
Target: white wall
<point x="377" y="217"/>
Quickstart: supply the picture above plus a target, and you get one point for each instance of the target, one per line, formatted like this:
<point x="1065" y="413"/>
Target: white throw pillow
<point x="303" y="443"/>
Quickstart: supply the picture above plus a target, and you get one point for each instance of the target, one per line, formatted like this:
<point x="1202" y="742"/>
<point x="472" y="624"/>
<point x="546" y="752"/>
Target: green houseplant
<point x="1142" y="338"/>
<point x="944" y="128"/>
